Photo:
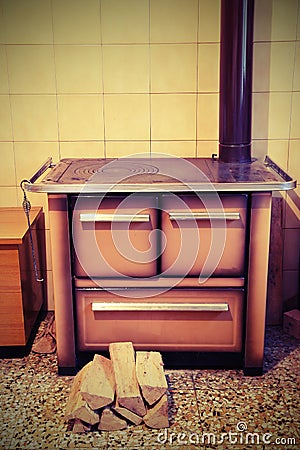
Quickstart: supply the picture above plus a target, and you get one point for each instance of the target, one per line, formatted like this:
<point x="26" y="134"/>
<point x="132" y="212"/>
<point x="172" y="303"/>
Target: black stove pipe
<point x="236" y="56"/>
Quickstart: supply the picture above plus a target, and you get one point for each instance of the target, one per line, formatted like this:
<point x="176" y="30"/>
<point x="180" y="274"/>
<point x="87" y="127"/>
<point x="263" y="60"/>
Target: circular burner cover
<point x="124" y="168"/>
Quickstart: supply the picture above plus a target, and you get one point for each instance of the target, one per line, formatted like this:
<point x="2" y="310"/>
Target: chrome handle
<point x="99" y="217"/>
<point x="46" y="165"/>
<point x="270" y="163"/>
<point x="131" y="306"/>
<point x="204" y="215"/>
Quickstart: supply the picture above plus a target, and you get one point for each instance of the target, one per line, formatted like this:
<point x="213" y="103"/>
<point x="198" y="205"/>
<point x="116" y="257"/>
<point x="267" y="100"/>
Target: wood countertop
<point x="13" y="224"/>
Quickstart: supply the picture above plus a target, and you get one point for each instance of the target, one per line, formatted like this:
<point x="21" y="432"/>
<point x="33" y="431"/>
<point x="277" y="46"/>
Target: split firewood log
<point x="150" y="375"/>
<point x="127" y="414"/>
<point x="157" y="415"/>
<point x="109" y="421"/>
<point x="98" y="386"/>
<point x="77" y="407"/>
<point x="127" y="388"/>
<point x="80" y="427"/>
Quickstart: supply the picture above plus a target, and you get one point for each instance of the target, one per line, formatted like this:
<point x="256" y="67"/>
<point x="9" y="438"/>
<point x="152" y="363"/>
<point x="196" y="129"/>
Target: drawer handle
<point x="98" y="217"/>
<point x="130" y="306"/>
<point x="204" y="215"/>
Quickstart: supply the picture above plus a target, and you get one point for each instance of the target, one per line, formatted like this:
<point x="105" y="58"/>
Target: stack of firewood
<point x="128" y="388"/>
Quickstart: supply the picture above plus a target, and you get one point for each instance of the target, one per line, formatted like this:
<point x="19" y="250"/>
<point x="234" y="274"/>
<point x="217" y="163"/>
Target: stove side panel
<point x="260" y="223"/>
<point x="62" y="282"/>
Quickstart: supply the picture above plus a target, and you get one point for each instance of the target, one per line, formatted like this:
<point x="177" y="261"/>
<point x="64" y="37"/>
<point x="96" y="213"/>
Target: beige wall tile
<point x="5" y="119"/>
<point x="127" y="116"/>
<point x="278" y="151"/>
<point x="259" y="148"/>
<point x="292" y="219"/>
<point x="209" y="21"/>
<point x="208" y="67"/>
<point x="126" y="68"/>
<point x="82" y="149"/>
<point x="208" y="117"/>
<point x="183" y="149"/>
<point x="122" y="149"/>
<point x="291" y="253"/>
<point x="125" y="22"/>
<point x="80" y="117"/>
<point x="298" y="27"/>
<point x="31" y="69"/>
<point x="292" y="208"/>
<point x="76" y="21"/>
<point x="295" y="118"/>
<point x="279" y="115"/>
<point x="34" y="117"/>
<point x="263" y="20"/>
<point x="173" y="68"/>
<point x="296" y="81"/>
<point x="78" y="69"/>
<point x="206" y="148"/>
<point x="8" y="196"/>
<point x="261" y="66"/>
<point x="29" y="156"/>
<point x="281" y="66"/>
<point x="2" y="27"/>
<point x="7" y="167"/>
<point x="173" y="117"/>
<point x="3" y="71"/>
<point x="284" y="20"/>
<point x="294" y="159"/>
<point x="27" y="22"/>
<point x="173" y="21"/>
<point x="260" y="115"/>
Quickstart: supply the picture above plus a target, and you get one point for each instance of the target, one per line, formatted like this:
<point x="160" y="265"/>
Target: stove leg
<point x="62" y="283"/>
<point x="257" y="282"/>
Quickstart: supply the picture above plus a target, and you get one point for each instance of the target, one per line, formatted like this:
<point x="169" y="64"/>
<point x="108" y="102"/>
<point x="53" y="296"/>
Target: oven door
<point x="179" y="319"/>
<point x="204" y="236"/>
<point x="115" y="236"/>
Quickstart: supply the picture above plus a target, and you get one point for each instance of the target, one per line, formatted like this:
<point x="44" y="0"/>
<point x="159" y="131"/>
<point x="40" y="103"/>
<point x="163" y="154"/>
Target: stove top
<point x="158" y="173"/>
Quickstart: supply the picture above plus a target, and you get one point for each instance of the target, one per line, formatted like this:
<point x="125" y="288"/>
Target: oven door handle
<point x="204" y="215"/>
<point x="132" y="306"/>
<point x="103" y="217"/>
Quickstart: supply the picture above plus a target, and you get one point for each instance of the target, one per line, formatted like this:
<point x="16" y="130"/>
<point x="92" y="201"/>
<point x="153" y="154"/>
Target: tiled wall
<point x="109" y="78"/>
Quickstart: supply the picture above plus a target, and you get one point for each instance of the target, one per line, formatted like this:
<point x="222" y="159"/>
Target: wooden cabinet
<point x="21" y="296"/>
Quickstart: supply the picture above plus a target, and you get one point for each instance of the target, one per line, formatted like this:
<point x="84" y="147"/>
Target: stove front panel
<point x="205" y="236"/>
<point x="179" y="319"/>
<point x="115" y="236"/>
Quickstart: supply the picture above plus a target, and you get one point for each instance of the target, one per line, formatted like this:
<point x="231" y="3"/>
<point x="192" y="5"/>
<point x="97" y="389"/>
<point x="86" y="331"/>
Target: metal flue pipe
<point x="236" y="58"/>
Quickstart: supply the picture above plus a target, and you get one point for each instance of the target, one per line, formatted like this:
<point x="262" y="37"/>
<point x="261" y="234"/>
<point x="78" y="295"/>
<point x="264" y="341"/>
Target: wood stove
<point x="169" y="253"/>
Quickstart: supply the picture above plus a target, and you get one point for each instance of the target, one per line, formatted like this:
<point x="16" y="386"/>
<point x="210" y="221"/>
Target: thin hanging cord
<point x="27" y="207"/>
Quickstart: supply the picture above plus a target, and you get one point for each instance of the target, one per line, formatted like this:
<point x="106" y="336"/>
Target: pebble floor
<point x="209" y="409"/>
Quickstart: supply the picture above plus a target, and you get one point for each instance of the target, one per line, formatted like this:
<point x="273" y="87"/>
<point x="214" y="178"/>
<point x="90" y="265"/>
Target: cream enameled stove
<point x="169" y="253"/>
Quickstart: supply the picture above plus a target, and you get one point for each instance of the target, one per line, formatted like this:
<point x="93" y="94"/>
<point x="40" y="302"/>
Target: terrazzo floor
<point x="209" y="409"/>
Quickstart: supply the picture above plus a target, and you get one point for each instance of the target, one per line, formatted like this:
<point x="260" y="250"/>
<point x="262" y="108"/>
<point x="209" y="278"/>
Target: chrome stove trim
<point x="284" y="183"/>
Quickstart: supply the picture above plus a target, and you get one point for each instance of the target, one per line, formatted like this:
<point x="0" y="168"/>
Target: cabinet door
<point x="11" y="305"/>
<point x="204" y="236"/>
<point x="9" y="269"/>
<point x="115" y="236"/>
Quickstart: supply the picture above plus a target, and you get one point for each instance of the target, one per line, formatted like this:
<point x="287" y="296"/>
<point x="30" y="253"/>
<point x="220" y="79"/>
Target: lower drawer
<point x="179" y="319"/>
